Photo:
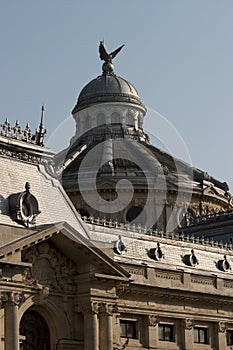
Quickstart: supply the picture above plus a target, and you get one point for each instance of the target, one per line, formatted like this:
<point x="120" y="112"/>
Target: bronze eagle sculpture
<point x="108" y="57"/>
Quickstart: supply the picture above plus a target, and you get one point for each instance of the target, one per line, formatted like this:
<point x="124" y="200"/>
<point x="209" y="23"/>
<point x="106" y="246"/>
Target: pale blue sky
<point x="178" y="54"/>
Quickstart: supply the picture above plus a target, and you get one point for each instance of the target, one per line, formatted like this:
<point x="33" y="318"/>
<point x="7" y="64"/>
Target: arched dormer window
<point x="24" y="206"/>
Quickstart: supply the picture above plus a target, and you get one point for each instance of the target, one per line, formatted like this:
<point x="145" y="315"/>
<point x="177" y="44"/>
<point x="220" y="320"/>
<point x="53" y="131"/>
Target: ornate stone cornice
<point x="31" y="158"/>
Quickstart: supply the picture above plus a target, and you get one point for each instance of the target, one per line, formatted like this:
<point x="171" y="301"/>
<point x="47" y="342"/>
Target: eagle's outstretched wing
<point x="115" y="52"/>
<point x="103" y="53"/>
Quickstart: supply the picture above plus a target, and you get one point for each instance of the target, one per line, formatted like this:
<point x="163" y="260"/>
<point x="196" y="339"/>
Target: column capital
<point x="153" y="320"/>
<point x="16" y="298"/>
<point x="222" y="327"/>
<point x="188" y="323"/>
<point x="108" y="308"/>
<point x="92" y="307"/>
<point x="3" y="298"/>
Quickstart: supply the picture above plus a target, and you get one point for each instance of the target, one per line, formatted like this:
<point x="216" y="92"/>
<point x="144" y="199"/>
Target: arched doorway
<point x="35" y="329"/>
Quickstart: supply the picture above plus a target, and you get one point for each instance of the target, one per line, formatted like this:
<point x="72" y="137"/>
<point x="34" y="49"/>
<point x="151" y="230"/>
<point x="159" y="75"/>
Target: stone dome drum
<point x="108" y="88"/>
<point x="110" y="145"/>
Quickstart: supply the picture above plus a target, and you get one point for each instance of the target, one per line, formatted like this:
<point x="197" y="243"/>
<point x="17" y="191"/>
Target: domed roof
<point x="107" y="88"/>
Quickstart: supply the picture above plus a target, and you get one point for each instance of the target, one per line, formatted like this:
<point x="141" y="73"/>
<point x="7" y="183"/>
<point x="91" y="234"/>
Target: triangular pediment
<point x="65" y="251"/>
<point x="213" y="191"/>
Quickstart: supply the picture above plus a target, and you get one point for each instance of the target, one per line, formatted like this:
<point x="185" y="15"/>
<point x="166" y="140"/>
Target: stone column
<point x="91" y="326"/>
<point x="12" y="321"/>
<point x="188" y="334"/>
<point x="106" y="321"/>
<point x="221" y="341"/>
<point x="3" y="299"/>
<point x="152" y="323"/>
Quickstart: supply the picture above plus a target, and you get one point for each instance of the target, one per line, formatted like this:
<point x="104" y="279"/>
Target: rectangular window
<point x="229" y="334"/>
<point x="166" y="332"/>
<point x="128" y="329"/>
<point x="201" y="335"/>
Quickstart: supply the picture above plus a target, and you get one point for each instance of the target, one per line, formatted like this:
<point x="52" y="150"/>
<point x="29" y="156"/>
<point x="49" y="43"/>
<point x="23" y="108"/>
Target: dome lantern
<point x="108" y="87"/>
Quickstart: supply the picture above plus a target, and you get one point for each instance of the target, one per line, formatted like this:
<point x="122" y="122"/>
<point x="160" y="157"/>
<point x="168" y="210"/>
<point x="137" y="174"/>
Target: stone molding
<point x="20" y="156"/>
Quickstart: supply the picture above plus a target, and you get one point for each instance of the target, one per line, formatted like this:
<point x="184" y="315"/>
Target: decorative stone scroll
<point x="95" y="307"/>
<point x="109" y="309"/>
<point x="89" y="308"/>
<point x="3" y="298"/>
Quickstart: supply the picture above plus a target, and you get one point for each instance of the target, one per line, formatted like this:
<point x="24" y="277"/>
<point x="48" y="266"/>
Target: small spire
<point x="40" y="132"/>
<point x="42" y="118"/>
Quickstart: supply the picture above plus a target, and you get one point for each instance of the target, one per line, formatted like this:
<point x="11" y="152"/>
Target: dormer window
<point x="24" y="206"/>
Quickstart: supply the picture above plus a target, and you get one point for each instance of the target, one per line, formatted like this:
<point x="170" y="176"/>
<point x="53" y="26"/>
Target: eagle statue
<point x="108" y="57"/>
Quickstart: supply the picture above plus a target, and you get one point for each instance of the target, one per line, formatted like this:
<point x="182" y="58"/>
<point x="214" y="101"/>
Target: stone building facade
<point x="108" y="281"/>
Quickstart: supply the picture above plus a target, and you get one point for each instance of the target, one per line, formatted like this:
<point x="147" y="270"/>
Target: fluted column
<point x="3" y="299"/>
<point x="12" y="321"/>
<point x="91" y="325"/>
<point x="106" y="325"/>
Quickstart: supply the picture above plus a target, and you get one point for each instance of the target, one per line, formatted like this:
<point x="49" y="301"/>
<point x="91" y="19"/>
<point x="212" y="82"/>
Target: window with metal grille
<point x="35" y="330"/>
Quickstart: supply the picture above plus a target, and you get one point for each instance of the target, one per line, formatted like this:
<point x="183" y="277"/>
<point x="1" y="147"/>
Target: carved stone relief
<point x="50" y="268"/>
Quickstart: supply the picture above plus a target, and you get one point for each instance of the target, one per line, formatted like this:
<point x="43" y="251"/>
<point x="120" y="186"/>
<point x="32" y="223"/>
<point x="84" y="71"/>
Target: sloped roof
<point x="21" y="163"/>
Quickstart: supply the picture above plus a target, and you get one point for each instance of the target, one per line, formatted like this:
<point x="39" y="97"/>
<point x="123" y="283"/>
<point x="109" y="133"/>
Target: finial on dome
<point x="108" y="67"/>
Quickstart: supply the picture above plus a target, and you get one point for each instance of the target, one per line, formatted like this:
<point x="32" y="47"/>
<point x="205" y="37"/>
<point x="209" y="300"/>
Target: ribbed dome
<point x="107" y="88"/>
